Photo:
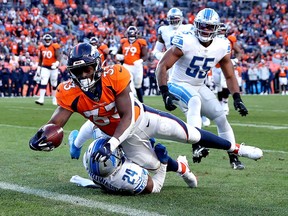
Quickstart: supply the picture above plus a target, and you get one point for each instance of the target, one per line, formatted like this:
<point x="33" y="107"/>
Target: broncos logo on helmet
<point x="132" y="33"/>
<point x="81" y="57"/>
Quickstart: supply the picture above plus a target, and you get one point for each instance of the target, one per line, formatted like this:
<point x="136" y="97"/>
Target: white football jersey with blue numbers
<point x="167" y="33"/>
<point x="197" y="60"/>
<point x="128" y="178"/>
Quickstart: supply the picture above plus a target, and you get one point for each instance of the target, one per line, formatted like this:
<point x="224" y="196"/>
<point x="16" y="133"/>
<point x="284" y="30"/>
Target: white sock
<point x="159" y="178"/>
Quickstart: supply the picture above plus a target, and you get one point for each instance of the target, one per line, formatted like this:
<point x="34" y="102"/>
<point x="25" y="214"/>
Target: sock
<point x="42" y="94"/>
<point x="210" y="140"/>
<point x="172" y="165"/>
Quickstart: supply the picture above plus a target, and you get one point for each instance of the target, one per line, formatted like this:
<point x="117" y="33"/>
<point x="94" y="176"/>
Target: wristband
<point x="164" y="89"/>
<point x="114" y="143"/>
<point x="236" y="95"/>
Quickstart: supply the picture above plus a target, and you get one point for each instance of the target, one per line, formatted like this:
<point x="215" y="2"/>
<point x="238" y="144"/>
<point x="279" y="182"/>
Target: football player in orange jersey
<point x="104" y="96"/>
<point x="133" y="51"/>
<point x="102" y="48"/>
<point x="49" y="61"/>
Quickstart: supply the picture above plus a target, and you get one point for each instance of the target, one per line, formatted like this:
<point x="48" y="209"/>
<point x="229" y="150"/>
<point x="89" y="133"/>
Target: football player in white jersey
<point x="166" y="34"/>
<point x="192" y="55"/>
<point x="120" y="175"/>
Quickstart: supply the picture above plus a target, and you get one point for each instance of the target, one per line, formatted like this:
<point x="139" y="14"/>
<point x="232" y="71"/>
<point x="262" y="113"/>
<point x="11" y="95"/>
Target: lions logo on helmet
<point x="102" y="169"/>
<point x="82" y="56"/>
<point x="47" y="40"/>
<point x="206" y="24"/>
<point x="175" y="17"/>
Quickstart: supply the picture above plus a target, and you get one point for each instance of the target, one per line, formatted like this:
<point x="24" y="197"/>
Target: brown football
<point x="54" y="134"/>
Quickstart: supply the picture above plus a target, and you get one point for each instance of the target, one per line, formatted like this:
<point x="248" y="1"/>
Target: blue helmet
<point x="102" y="169"/>
<point x="81" y="56"/>
<point x="206" y="24"/>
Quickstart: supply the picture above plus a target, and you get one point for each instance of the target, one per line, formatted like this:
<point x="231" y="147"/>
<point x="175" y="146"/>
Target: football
<point x="54" y="134"/>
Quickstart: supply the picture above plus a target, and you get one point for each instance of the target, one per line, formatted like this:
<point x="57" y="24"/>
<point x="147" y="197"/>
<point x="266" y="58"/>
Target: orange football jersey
<point x="101" y="111"/>
<point x="48" y="54"/>
<point x="101" y="49"/>
<point x="132" y="52"/>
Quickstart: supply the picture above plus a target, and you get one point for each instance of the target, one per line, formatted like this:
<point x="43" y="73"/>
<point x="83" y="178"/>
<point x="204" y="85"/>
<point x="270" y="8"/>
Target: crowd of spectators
<point x="261" y="28"/>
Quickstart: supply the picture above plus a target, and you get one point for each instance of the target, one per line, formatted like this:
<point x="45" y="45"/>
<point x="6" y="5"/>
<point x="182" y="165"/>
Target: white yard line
<point x="75" y="200"/>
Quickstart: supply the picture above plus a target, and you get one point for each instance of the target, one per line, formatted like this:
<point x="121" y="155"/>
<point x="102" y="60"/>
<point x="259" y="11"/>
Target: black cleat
<point x="235" y="163"/>
<point x="199" y="152"/>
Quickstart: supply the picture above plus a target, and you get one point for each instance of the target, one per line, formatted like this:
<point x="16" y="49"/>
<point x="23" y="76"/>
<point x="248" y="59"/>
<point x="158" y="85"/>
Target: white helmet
<point x="47" y="39"/>
<point x="206" y="24"/>
<point x="223" y="28"/>
<point x="102" y="169"/>
<point x="175" y="17"/>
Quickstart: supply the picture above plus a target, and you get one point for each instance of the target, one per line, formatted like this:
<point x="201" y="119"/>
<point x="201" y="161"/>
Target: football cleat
<point x="186" y="174"/>
<point x="248" y="151"/>
<point x="39" y="102"/>
<point x="235" y="163"/>
<point x="199" y="152"/>
<point x="74" y="151"/>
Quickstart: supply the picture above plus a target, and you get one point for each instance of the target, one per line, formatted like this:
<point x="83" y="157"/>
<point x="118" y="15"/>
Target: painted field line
<point x="75" y="200"/>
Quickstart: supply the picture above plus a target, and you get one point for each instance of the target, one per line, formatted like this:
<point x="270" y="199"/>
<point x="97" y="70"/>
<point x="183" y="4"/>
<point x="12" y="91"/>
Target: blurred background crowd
<point x="261" y="28"/>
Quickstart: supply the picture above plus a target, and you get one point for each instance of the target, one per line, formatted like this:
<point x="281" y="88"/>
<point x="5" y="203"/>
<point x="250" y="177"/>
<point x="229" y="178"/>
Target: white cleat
<point x="249" y="152"/>
<point x="40" y="102"/>
<point x="188" y="176"/>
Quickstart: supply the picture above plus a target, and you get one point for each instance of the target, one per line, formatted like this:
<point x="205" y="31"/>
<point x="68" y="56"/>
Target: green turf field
<point x="37" y="183"/>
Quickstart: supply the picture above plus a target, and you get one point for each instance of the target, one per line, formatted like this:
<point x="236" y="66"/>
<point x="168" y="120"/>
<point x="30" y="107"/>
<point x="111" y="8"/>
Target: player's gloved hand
<point x="161" y="153"/>
<point x="39" y="143"/>
<point x="239" y="105"/>
<point x="55" y="65"/>
<point x="74" y="151"/>
<point x="168" y="98"/>
<point x="37" y="76"/>
<point x="103" y="153"/>
<point x="199" y="152"/>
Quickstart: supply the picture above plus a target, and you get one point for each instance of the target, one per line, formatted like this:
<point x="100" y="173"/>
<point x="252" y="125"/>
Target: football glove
<point x="239" y="105"/>
<point x="161" y="153"/>
<point x="37" y="76"/>
<point x="38" y="142"/>
<point x="199" y="152"/>
<point x="55" y="65"/>
<point x="103" y="153"/>
<point x="168" y="98"/>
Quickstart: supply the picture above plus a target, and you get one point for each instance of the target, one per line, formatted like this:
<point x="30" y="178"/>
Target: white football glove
<point x="55" y="65"/>
<point x="119" y="57"/>
<point x="138" y="62"/>
<point x="37" y="77"/>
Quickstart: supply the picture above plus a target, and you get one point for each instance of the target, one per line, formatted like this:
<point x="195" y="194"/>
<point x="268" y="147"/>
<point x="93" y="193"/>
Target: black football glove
<point x="39" y="143"/>
<point x="103" y="153"/>
<point x="239" y="105"/>
<point x="168" y="98"/>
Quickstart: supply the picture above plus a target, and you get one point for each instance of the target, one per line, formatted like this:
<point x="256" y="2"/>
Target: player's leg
<point x="138" y="78"/>
<point x="45" y="74"/>
<point x="54" y="83"/>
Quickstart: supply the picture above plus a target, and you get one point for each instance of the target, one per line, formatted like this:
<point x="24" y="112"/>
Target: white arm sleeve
<point x="158" y="50"/>
<point x="159" y="178"/>
<point x="114" y="142"/>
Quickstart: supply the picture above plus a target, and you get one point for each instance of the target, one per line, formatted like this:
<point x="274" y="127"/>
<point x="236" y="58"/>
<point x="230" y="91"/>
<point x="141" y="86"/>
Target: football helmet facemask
<point x="206" y="24"/>
<point x="132" y="33"/>
<point x="47" y="40"/>
<point x="222" y="30"/>
<point x="94" y="41"/>
<point x="175" y="17"/>
<point x="81" y="58"/>
<point x="103" y="169"/>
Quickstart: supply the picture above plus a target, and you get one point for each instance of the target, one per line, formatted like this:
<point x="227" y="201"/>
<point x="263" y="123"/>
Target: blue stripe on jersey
<point x="180" y="92"/>
<point x="177" y="41"/>
<point x="167" y="115"/>
<point x="208" y="14"/>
